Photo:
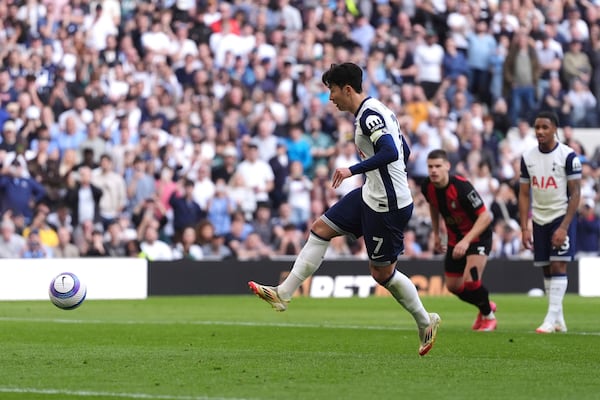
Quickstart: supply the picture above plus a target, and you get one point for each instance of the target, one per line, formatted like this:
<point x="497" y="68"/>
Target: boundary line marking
<point x="241" y="323"/>
<point x="87" y="393"/>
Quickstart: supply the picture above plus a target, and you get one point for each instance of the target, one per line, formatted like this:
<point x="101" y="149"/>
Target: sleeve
<point x="470" y="199"/>
<point x="524" y="172"/>
<point x="573" y="166"/>
<point x="372" y="124"/>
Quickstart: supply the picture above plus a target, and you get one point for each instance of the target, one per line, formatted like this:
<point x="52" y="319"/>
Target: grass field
<point x="185" y="348"/>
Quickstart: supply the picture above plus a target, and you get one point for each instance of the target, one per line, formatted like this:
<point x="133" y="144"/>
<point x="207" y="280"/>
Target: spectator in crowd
<point x="152" y="247"/>
<point x="226" y="170"/>
<point x="140" y="184"/>
<point x="521" y="73"/>
<point x="510" y="245"/>
<point x="12" y="245"/>
<point x="186" y="211"/>
<point x="96" y="248"/>
<point x="19" y="193"/>
<point x="290" y="242"/>
<point x="480" y="49"/>
<point x="280" y="164"/>
<point x="83" y="197"/>
<point x="588" y="230"/>
<point x="46" y="233"/>
<point x="34" y="247"/>
<point x="338" y="248"/>
<point x="114" y="191"/>
<point x="187" y="248"/>
<point x="220" y="208"/>
<point x="65" y="248"/>
<point x="555" y="99"/>
<point x="255" y="173"/>
<point x="582" y="104"/>
<point x="114" y="241"/>
<point x="253" y="248"/>
<point x="298" y="188"/>
<point x="429" y="57"/>
<point x="505" y="206"/>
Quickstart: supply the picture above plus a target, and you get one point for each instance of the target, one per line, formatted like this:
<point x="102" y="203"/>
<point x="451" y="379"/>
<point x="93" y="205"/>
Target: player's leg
<point x="463" y="278"/>
<point x="555" y="277"/>
<point x="478" y="293"/>
<point x="383" y="235"/>
<point x="557" y="287"/>
<point x="342" y="218"/>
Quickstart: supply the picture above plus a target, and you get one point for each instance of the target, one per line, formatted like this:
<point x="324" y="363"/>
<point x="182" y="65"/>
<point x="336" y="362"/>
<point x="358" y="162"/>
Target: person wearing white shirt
<point x="428" y="59"/>
<point x="153" y="248"/>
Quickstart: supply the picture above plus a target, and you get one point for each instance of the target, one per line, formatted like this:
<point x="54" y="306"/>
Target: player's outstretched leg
<point x="268" y="294"/>
<point x="428" y="334"/>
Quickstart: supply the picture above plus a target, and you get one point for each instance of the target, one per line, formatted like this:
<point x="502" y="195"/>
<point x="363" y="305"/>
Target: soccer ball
<point x="67" y="291"/>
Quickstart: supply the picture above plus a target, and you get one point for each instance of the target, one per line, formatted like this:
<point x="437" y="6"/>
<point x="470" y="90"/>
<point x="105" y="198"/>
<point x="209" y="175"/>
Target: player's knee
<point x="382" y="274"/>
<point x="455" y="287"/>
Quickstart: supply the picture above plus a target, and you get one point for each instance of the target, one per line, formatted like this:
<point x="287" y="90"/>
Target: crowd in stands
<point x="201" y="129"/>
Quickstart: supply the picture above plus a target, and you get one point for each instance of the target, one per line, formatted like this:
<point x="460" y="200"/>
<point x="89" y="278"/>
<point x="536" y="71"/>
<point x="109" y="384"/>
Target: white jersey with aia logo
<point x="547" y="175"/>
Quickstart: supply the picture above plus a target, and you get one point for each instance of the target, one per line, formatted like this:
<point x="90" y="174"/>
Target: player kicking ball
<point x="467" y="221"/>
<point x="379" y="210"/>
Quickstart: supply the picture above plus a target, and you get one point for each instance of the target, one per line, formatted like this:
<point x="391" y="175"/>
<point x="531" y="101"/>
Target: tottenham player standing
<point x="379" y="210"/>
<point x="551" y="184"/>
<point x="467" y="223"/>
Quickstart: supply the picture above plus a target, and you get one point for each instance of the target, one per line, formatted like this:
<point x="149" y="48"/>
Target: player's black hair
<point x="436" y="154"/>
<point x="344" y="74"/>
<point x="550" y="115"/>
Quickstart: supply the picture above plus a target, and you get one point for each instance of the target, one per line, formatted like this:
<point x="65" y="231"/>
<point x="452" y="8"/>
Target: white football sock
<point x="547" y="280"/>
<point x="405" y="293"/>
<point x="308" y="261"/>
<point x="558" y="288"/>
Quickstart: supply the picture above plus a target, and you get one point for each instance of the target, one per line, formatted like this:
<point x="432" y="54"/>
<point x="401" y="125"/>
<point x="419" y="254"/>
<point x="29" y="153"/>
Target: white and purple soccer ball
<point x="67" y="291"/>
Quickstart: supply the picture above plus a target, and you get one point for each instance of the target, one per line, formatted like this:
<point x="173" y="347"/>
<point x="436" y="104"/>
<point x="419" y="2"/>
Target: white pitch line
<point x="242" y="323"/>
<point x="216" y="323"/>
<point x="86" y="393"/>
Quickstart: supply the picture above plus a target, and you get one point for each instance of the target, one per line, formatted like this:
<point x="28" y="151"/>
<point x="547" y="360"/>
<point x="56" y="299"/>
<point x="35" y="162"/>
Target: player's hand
<point x="438" y="246"/>
<point x="527" y="239"/>
<point x="339" y="175"/>
<point x="558" y="238"/>
<point x="460" y="249"/>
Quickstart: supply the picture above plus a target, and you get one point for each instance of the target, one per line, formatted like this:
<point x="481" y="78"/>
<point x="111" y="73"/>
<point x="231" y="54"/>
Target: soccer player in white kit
<point x="379" y="210"/>
<point x="550" y="183"/>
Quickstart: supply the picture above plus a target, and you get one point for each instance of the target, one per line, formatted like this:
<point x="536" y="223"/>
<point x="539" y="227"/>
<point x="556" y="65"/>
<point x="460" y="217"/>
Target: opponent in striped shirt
<point x="454" y="200"/>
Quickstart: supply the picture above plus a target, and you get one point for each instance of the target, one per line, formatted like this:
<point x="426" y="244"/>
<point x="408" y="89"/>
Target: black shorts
<point x="453" y="266"/>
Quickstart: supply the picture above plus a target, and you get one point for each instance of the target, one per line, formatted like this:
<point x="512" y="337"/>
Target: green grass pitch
<point x="236" y="347"/>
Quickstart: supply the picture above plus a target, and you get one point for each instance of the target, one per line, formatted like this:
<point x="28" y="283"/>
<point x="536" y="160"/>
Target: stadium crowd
<point x="201" y="129"/>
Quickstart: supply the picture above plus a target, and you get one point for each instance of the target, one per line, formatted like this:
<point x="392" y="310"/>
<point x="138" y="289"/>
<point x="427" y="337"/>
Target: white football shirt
<point x="547" y="175"/>
<point x="386" y="188"/>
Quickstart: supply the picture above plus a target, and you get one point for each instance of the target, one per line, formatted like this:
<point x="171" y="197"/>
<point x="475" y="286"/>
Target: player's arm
<point x="372" y="124"/>
<point x="560" y="235"/>
<point x="435" y="227"/>
<point x="524" y="205"/>
<point x="385" y="153"/>
<point x="484" y="219"/>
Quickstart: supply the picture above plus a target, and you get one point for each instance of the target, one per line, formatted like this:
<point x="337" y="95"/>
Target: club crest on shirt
<point x="475" y="199"/>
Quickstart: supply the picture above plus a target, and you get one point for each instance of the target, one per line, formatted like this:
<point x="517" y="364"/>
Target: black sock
<point x="478" y="297"/>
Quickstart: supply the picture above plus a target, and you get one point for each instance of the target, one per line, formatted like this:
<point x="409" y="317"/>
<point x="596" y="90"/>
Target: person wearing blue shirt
<point x="19" y="194"/>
